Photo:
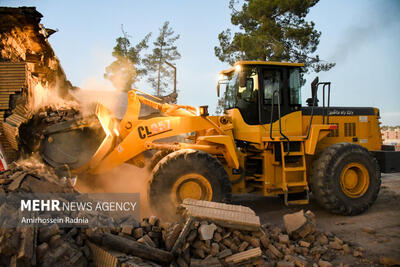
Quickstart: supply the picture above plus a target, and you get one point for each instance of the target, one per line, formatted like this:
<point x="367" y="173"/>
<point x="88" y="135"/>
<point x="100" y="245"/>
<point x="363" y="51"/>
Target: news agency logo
<point x="68" y="209"/>
<point x="52" y="205"/>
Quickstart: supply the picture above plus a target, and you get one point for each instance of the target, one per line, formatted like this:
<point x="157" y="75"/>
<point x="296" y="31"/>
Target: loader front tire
<point x="184" y="174"/>
<point x="345" y="179"/>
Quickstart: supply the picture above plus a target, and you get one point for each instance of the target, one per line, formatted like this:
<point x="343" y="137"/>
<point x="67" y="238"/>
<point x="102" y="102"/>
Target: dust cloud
<point x="43" y="96"/>
<point x="123" y="179"/>
<point x="384" y="16"/>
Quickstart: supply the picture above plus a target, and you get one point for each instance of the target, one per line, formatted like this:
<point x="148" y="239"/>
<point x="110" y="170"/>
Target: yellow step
<point x="295" y="153"/>
<point x="298" y="202"/>
<point x="294" y="169"/>
<point x="294" y="184"/>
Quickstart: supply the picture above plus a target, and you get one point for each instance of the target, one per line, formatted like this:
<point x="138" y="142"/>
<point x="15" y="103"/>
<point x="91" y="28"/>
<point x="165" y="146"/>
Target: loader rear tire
<point x="345" y="179"/>
<point x="184" y="174"/>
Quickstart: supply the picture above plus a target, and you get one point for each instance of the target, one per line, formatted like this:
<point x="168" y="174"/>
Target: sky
<point x="361" y="36"/>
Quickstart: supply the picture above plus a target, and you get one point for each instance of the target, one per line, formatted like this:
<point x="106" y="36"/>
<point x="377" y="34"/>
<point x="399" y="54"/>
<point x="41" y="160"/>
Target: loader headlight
<point x="203" y="111"/>
<point x="238" y="68"/>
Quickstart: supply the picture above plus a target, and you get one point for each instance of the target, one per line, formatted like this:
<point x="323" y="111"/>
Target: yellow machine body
<point x="275" y="167"/>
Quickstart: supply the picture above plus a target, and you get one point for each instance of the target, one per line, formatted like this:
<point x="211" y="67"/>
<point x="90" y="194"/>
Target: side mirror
<point x="218" y="89"/>
<point x="314" y="88"/>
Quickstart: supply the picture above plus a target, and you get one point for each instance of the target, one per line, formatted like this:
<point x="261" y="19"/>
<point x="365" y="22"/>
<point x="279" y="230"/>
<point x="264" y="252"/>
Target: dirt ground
<point x="383" y="218"/>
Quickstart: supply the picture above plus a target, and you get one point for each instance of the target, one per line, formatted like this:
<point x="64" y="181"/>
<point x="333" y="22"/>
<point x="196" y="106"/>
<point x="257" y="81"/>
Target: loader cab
<point x="256" y="88"/>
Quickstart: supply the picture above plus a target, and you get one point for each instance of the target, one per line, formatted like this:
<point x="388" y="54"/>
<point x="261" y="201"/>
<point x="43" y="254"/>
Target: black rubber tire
<point x="179" y="163"/>
<point x="159" y="155"/>
<point x="325" y="180"/>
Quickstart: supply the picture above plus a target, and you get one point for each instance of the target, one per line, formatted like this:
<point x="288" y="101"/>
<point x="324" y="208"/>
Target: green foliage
<point x="164" y="50"/>
<point x="125" y="71"/>
<point x="274" y="30"/>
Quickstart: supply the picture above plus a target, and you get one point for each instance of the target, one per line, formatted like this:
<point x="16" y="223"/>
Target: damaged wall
<point x="27" y="63"/>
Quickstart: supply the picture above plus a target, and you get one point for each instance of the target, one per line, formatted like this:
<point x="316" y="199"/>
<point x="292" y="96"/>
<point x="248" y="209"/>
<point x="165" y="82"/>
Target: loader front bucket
<point x="81" y="144"/>
<point x="72" y="143"/>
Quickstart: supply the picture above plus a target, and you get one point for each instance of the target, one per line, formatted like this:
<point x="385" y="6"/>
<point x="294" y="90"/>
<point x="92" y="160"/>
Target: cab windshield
<point x="258" y="91"/>
<point x="245" y="97"/>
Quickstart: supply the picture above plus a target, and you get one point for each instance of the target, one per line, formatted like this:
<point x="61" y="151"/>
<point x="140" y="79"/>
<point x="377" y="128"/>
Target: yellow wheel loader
<point x="266" y="143"/>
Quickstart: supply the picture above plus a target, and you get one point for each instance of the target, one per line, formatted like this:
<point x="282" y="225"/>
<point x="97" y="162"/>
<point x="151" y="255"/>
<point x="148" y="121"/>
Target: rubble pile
<point x="207" y="234"/>
<point x="219" y="239"/>
<point x="33" y="246"/>
<point x="32" y="175"/>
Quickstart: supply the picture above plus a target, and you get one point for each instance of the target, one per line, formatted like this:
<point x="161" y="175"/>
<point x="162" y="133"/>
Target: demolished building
<point x="27" y="64"/>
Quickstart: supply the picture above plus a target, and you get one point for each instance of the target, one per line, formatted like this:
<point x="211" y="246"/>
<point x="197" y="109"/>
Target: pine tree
<point x="165" y="49"/>
<point x="272" y="31"/>
<point x="125" y="71"/>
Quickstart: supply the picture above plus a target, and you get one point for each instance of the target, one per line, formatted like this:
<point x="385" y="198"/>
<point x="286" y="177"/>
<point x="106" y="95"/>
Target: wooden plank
<point x="101" y="257"/>
<point x="11" y="133"/>
<point x="244" y="256"/>
<point x="131" y="247"/>
<point x="12" y="91"/>
<point x="12" y="83"/>
<point x="16" y="119"/>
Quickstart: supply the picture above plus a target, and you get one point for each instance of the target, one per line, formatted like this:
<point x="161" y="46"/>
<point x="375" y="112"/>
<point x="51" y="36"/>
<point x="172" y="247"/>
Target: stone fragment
<point x="299" y="224"/>
<point x="323" y="263"/>
<point x="346" y="249"/>
<point x="304" y="244"/>
<point x="127" y="229"/>
<point x="45" y="233"/>
<point x="41" y="250"/>
<point x="285" y="264"/>
<point x="214" y="249"/>
<point x="191" y="236"/>
<point x="147" y="240"/>
<point x="274" y="251"/>
<point x="217" y="237"/>
<point x="335" y="245"/>
<point x="264" y="241"/>
<point x="138" y="233"/>
<point x="224" y="253"/>
<point x="181" y="262"/>
<point x="199" y="253"/>
<point x="283" y="239"/>
<point x="322" y="239"/>
<point x="243" y="246"/>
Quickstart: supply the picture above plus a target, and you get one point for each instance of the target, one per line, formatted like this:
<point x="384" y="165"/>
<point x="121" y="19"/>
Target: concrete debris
<point x="299" y="224"/>
<point x="232" y="216"/>
<point x="206" y="231"/>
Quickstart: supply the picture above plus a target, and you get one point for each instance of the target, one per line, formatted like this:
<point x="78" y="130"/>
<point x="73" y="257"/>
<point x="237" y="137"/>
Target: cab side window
<point x="272" y="80"/>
